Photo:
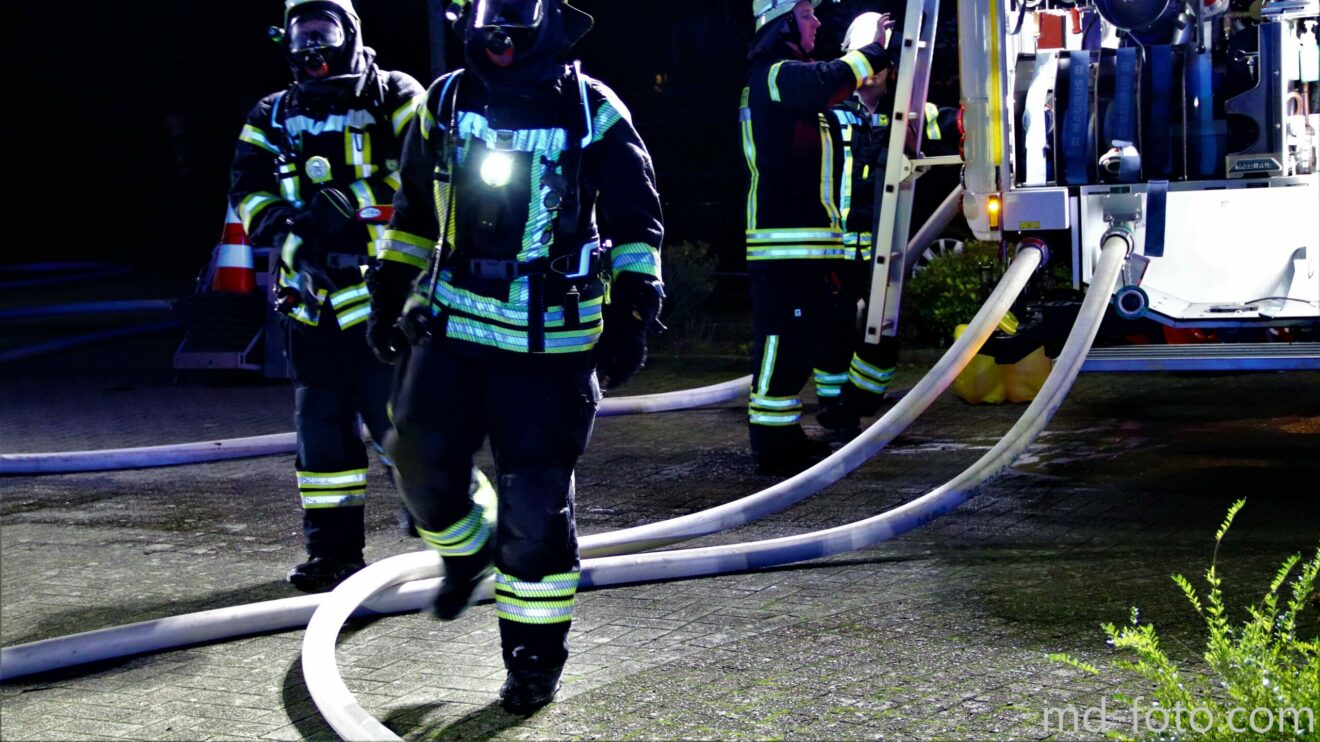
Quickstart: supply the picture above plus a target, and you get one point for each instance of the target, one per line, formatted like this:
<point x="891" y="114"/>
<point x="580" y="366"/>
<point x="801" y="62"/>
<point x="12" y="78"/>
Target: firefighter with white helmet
<point x="794" y="226"/>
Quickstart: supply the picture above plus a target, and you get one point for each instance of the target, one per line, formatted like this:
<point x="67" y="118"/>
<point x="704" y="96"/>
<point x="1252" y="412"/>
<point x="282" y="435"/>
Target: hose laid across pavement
<point x="280" y="443"/>
<point x="351" y="720"/>
<point x="206" y="626"/>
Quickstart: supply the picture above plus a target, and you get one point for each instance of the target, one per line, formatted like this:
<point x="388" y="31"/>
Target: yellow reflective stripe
<point x="393" y="180"/>
<point x="767" y="363"/>
<point x="406" y="112"/>
<point x="772" y="81"/>
<point x="777" y="403"/>
<point x="635" y="257"/>
<point x="799" y="252"/>
<point x="254" y="136"/>
<point x="354" y="316"/>
<point x="749" y="152"/>
<point x="321" y="480"/>
<point x="362" y="191"/>
<point x="792" y="234"/>
<point x="357" y="150"/>
<point x="337" y="500"/>
<point x="289" y="251"/>
<point x="252" y="204"/>
<point x="344" y="297"/>
<point x="932" y="121"/>
<point x="861" y="66"/>
<point x="827" y="171"/>
<point x="407" y="238"/>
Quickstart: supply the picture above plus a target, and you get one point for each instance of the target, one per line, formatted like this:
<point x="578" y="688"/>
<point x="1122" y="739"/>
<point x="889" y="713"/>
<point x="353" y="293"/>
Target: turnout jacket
<point x="792" y="162"/>
<point x="521" y="262"/>
<point x="319" y="135"/>
<point x="863" y="138"/>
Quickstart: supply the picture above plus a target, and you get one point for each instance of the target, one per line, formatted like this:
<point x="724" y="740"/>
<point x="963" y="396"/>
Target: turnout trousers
<point x="852" y="371"/>
<point x="538" y="412"/>
<point x="336" y="381"/>
<point x="796" y="310"/>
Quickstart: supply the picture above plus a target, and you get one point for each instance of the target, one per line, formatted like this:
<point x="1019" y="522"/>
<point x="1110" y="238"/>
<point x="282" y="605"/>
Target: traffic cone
<point x="233" y="266"/>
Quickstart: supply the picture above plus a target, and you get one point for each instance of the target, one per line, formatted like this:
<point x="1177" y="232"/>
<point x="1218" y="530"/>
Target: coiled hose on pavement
<point x="341" y="710"/>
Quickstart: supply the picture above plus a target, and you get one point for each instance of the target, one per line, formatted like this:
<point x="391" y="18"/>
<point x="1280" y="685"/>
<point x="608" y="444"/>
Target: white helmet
<point x="861" y="31"/>
<point x="768" y="10"/>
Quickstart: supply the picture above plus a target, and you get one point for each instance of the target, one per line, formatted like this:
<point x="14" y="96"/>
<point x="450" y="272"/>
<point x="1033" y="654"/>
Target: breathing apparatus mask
<point x="322" y="40"/>
<point x="507" y="27"/>
<point x="315" y="40"/>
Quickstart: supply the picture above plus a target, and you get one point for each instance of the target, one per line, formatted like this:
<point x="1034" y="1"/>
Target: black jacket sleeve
<point x="253" y="190"/>
<point x="627" y="205"/>
<point x="815" y="86"/>
<point x="414" y="229"/>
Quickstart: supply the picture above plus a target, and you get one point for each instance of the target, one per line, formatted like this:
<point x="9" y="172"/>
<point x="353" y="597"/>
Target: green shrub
<point x="1260" y="663"/>
<point x="688" y="269"/>
<point x="946" y="293"/>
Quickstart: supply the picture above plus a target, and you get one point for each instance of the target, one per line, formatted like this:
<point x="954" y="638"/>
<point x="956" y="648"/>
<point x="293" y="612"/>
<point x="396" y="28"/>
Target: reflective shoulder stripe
<point x="772" y="81"/>
<point x="861" y="66"/>
<point x="256" y="137"/>
<point x="611" y="110"/>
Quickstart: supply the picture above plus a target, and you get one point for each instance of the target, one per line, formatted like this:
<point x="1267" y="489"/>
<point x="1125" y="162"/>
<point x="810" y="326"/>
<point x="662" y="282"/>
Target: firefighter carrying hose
<point x="794" y="226"/>
<point x="524" y="182"/>
<point x="314" y="168"/>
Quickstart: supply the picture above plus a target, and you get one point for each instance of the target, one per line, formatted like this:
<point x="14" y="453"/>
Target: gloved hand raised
<point x="634" y="309"/>
<point x="388" y="283"/>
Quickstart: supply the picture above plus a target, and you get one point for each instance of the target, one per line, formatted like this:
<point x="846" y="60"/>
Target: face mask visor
<point x="315" y="31"/>
<point x="509" y="15"/>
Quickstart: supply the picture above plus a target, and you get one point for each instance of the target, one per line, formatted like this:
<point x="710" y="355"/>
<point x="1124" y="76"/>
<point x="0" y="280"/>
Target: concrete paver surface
<point x="942" y="632"/>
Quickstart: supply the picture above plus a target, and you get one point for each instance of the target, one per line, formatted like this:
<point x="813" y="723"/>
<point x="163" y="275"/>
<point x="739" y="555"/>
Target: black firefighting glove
<point x="328" y="220"/>
<point x="634" y="309"/>
<point x="388" y="282"/>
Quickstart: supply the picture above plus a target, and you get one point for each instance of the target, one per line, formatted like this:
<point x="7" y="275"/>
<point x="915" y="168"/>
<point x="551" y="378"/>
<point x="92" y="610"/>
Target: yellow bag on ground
<point x="1022" y="380"/>
<point x="982" y="381"/>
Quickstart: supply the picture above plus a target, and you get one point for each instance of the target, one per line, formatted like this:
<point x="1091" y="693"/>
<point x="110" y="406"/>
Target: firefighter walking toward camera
<point x="523" y="182"/>
<point x="314" y="166"/>
<point x="794" y="233"/>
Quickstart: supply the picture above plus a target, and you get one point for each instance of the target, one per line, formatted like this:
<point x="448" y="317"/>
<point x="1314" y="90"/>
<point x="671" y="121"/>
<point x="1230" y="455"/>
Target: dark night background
<point x="127" y="113"/>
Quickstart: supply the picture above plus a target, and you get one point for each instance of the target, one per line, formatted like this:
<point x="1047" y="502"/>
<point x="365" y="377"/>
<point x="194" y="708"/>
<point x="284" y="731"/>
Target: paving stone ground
<point x="941" y="633"/>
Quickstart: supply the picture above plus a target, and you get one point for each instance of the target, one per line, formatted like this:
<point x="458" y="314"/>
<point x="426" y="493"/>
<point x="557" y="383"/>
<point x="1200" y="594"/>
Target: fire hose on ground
<point x="223" y="623"/>
<point x="340" y="708"/>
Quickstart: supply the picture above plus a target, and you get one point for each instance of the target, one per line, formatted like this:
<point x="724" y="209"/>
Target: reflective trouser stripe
<point x="546" y="601"/>
<point x="866" y="376"/>
<point x="332" y="489"/>
<point x="464" y="538"/>
<point x="763" y="409"/>
<point x="828" y="384"/>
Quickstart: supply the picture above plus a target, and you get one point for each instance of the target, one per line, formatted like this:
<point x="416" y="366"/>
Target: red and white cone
<point x="234" y="273"/>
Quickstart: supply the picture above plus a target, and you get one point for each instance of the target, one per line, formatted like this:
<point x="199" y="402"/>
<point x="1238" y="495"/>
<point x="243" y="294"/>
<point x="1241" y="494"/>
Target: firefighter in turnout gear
<point x="861" y="371"/>
<point x="524" y="186"/>
<point x="795" y="247"/>
<point x="314" y="169"/>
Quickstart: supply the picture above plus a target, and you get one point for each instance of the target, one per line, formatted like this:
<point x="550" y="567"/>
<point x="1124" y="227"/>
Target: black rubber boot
<point x="319" y="574"/>
<point x="525" y="691"/>
<point x="835" y="414"/>
<point x="790" y="455"/>
<point x="845" y="412"/>
<point x="462" y="576"/>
